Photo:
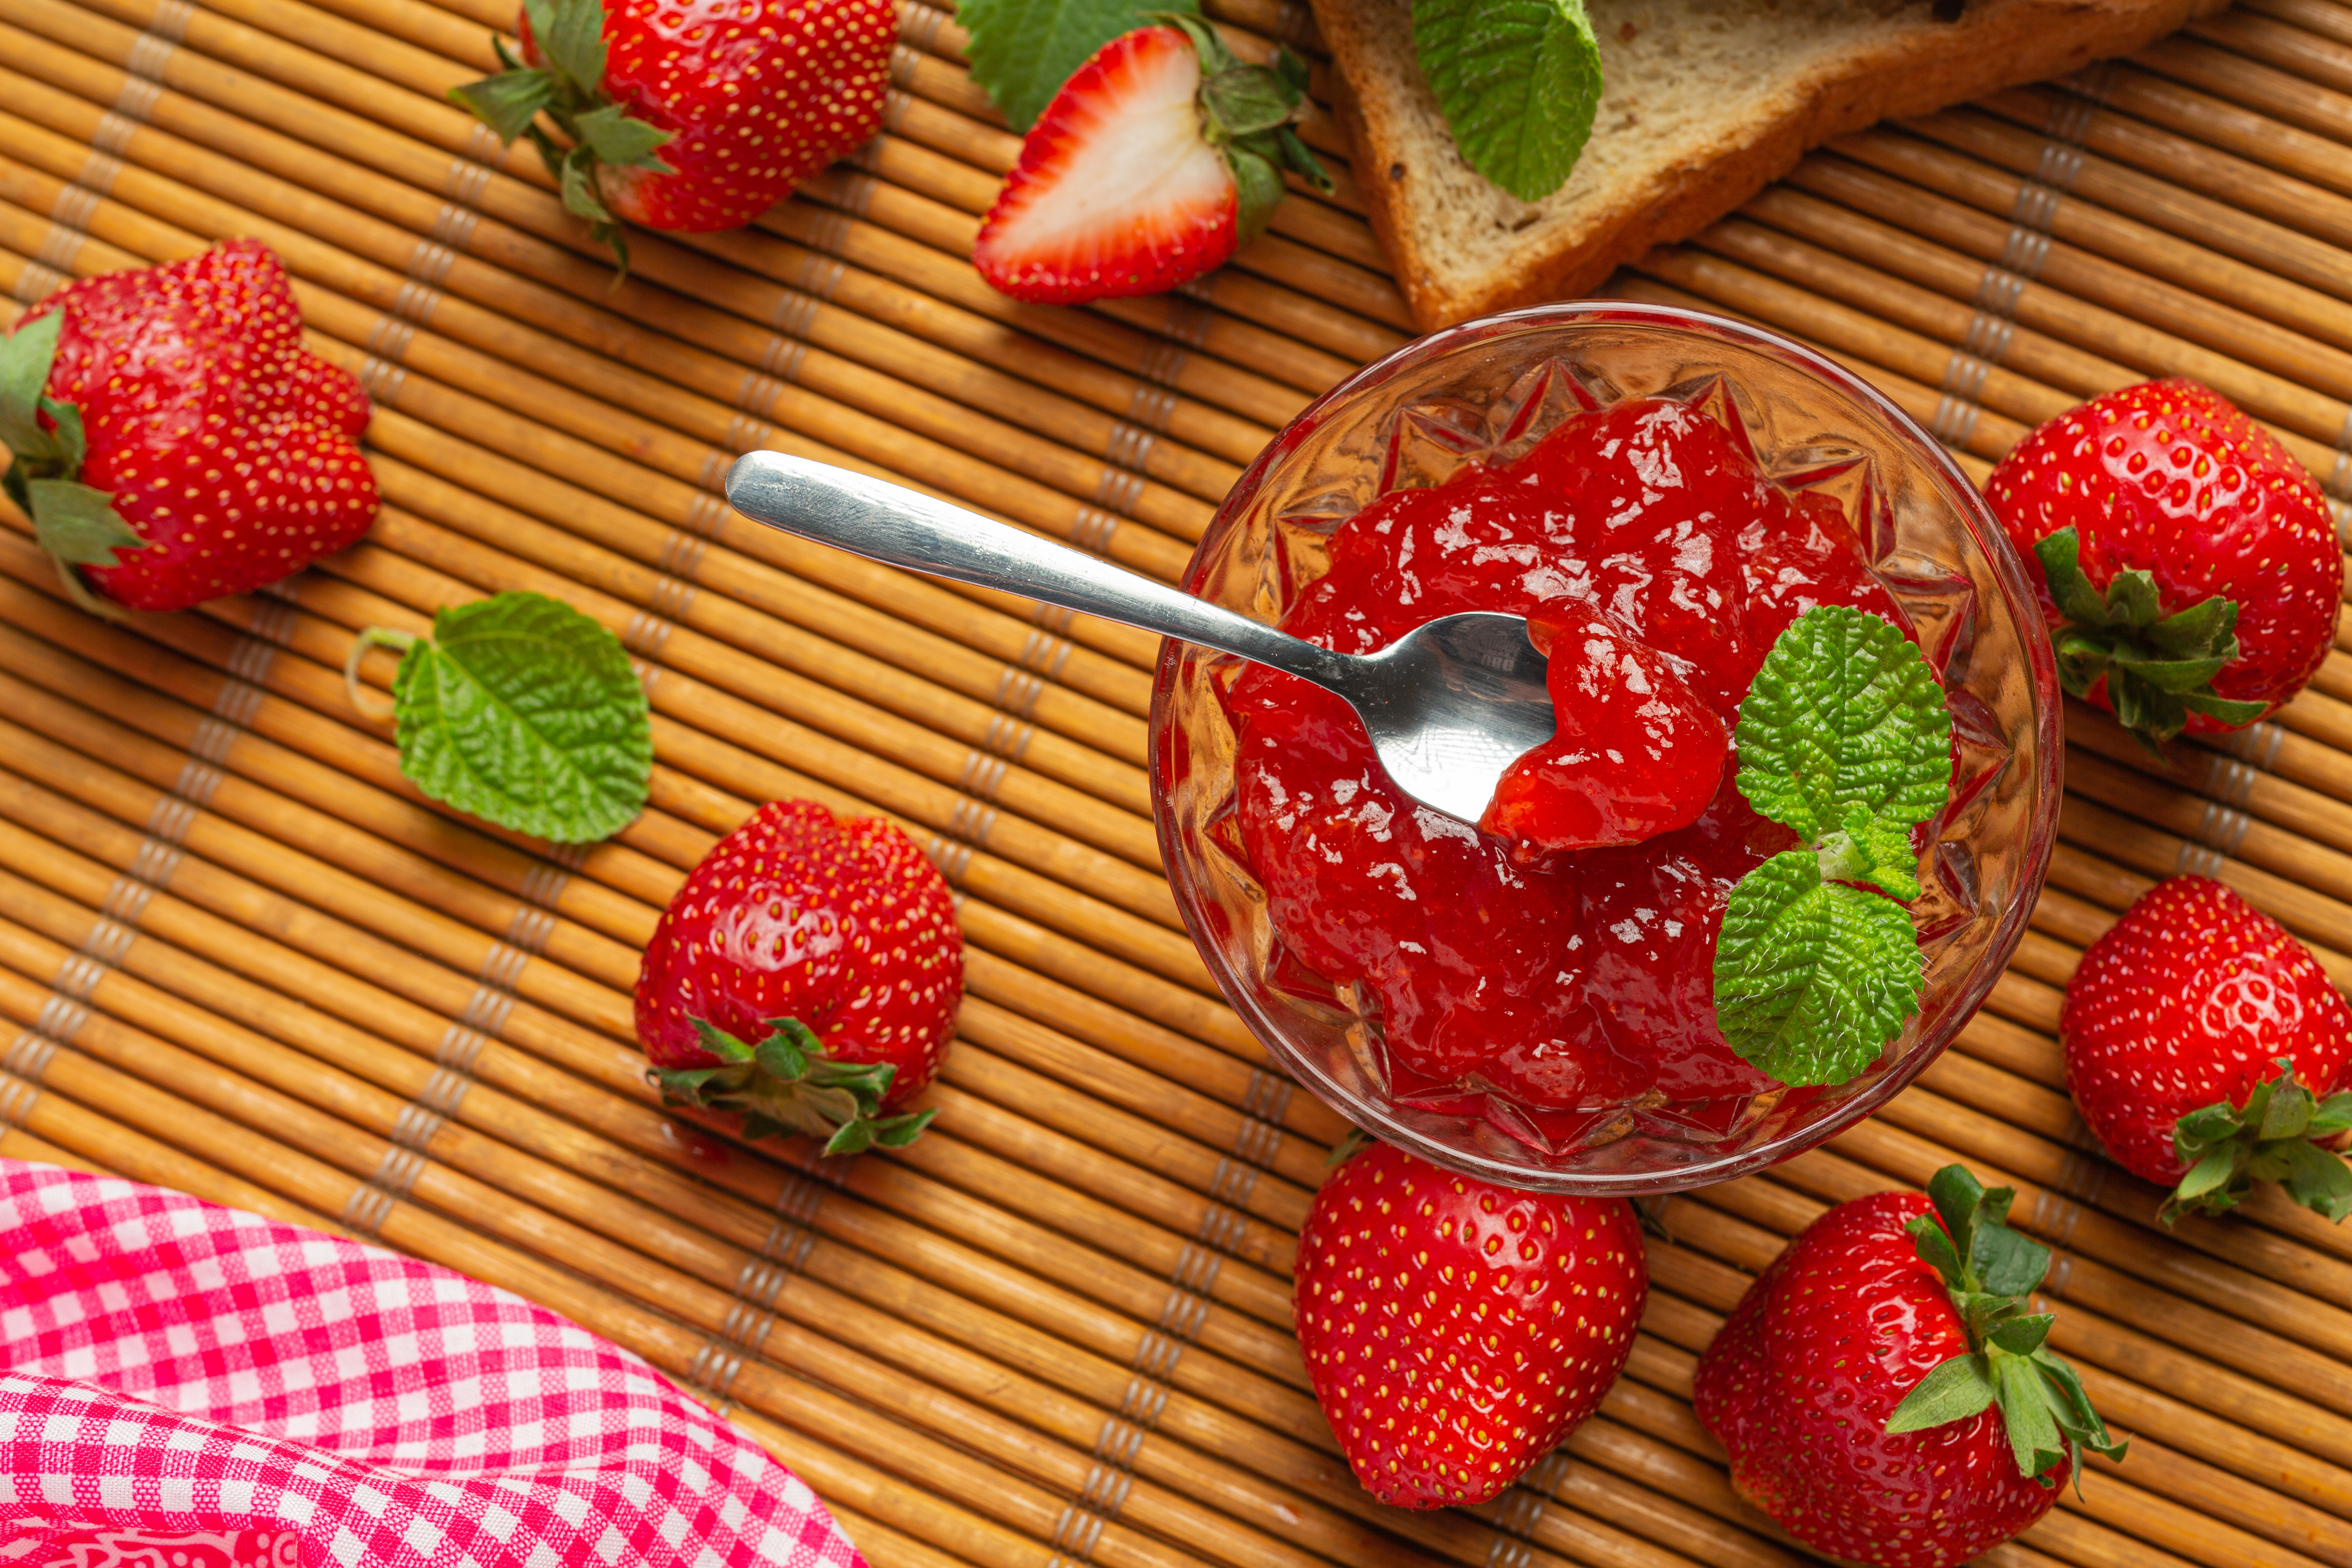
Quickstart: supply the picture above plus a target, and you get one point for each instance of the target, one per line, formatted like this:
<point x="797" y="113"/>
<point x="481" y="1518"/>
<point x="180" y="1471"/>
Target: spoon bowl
<point x="1448" y="706"/>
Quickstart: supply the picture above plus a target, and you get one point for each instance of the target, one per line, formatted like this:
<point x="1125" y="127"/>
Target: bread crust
<point x="1395" y="127"/>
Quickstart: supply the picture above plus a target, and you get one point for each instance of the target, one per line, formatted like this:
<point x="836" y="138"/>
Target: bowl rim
<point x="2009" y="572"/>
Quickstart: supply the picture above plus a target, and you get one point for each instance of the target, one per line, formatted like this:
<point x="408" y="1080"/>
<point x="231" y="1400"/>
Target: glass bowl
<point x="1490" y="388"/>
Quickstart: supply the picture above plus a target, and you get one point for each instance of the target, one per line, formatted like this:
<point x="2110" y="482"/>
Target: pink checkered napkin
<point x="188" y="1386"/>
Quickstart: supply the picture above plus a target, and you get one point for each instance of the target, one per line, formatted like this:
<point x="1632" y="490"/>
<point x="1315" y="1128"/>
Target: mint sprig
<point x="1518" y="81"/>
<point x="570" y="89"/>
<point x="788" y="1085"/>
<point x="1990" y="1270"/>
<point x="1844" y="739"/>
<point x="522" y="711"/>
<point x="1023" y="50"/>
<point x="76" y="523"/>
<point x="2271" y="1139"/>
<point x="2158" y="668"/>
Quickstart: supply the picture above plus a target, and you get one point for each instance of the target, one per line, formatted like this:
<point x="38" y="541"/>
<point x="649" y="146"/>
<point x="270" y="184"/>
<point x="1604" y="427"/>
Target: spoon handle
<point x="888" y="522"/>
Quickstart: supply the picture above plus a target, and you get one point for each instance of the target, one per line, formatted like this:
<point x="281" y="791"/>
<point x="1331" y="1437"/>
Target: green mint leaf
<point x="509" y="102"/>
<point x="1518" y="81"/>
<point x="618" y="139"/>
<point x="77" y="524"/>
<point x="1023" y="50"/>
<point x="1813" y="979"/>
<point x="1844" y="713"/>
<point x="523" y="711"/>
<point x="1952" y="1392"/>
<point x="572" y="40"/>
<point x="26" y="355"/>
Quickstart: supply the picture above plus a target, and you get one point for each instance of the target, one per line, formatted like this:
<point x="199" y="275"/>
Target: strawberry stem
<point x="1248" y="110"/>
<point x="787" y="1085"/>
<point x="1990" y="1270"/>
<point x="569" y="89"/>
<point x="2274" y="1137"/>
<point x="2158" y="668"/>
<point x="75" y="523"/>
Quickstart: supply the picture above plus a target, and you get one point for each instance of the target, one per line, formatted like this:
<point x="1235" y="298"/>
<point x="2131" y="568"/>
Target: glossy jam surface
<point x="1570" y="981"/>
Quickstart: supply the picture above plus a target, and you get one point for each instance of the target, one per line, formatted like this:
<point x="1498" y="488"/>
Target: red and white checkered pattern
<point x="168" y="1367"/>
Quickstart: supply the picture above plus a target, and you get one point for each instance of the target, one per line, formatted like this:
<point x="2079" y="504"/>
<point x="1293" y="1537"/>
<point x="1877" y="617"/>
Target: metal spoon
<point x="1448" y="705"/>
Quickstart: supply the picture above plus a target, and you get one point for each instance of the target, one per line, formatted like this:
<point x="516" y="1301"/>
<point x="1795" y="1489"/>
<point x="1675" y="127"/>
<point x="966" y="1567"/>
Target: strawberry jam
<point x="1557" y="969"/>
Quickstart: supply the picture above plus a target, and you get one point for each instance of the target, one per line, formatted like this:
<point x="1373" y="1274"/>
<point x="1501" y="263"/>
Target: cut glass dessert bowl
<point x="1537" y="1008"/>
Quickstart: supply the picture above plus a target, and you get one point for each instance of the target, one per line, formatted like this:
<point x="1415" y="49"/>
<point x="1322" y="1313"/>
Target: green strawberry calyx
<point x="2274" y="1137"/>
<point x="2158" y="668"/>
<point x="1844" y="739"/>
<point x="1248" y="110"/>
<point x="1990" y="1270"/>
<point x="787" y="1085"/>
<point x="568" y="87"/>
<point x="76" y="523"/>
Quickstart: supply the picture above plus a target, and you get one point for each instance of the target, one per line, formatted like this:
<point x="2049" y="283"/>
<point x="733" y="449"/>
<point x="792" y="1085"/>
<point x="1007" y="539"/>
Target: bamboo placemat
<point x="241" y="957"/>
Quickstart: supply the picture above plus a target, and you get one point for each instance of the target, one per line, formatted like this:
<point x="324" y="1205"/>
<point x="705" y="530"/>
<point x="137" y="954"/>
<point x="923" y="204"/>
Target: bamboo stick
<point x="2265" y="370"/>
<point x="2321" y="920"/>
<point x="2247" y="311"/>
<point x="2272" y="93"/>
<point x="2292" y="829"/>
<point x="86" y="1140"/>
<point x="2275" y="247"/>
<point x="2266" y="36"/>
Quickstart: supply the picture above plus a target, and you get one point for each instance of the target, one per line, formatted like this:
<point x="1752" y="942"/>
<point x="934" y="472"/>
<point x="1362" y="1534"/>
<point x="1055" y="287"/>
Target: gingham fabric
<point x="188" y="1386"/>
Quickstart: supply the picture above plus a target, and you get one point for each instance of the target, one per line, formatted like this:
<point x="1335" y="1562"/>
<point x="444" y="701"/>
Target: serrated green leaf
<point x="2334" y="1116"/>
<point x="2006" y="1263"/>
<point x="2207" y="1124"/>
<point x="1844" y="713"/>
<point x="572" y="42"/>
<point x="78" y="525"/>
<point x="1518" y="82"/>
<point x="1021" y="51"/>
<point x="580" y="194"/>
<point x="2173" y="675"/>
<point x="2132" y="601"/>
<point x="2233" y="713"/>
<point x="897" y="1131"/>
<point x="2203" y="628"/>
<point x="2023" y="1336"/>
<point x="509" y="102"/>
<point x="523" y="711"/>
<point x="26" y="356"/>
<point x="727" y="1048"/>
<point x="2025" y="1414"/>
<point x="70" y="443"/>
<point x="2318" y="1180"/>
<point x="1245" y="100"/>
<point x="1935" y="1249"/>
<point x="621" y="140"/>
<point x="2209" y="1177"/>
<point x="1811" y="979"/>
<point x="1258" y="190"/>
<point x="2060" y="555"/>
<point x="1951" y="1392"/>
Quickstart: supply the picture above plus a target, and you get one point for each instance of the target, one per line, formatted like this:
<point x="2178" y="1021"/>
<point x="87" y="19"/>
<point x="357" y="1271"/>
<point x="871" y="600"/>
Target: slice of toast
<point x="1704" y="104"/>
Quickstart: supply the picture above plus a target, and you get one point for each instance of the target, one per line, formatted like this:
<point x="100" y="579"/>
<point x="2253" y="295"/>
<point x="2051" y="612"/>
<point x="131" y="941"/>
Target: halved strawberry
<point x="1159" y="157"/>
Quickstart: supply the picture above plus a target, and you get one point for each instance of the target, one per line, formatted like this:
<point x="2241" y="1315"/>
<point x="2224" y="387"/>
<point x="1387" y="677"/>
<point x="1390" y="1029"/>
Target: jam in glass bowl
<point x="1540" y="1016"/>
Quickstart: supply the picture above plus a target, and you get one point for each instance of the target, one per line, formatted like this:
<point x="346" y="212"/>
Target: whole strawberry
<point x="1159" y="157"/>
<point x="1882" y="1391"/>
<point x="2206" y="1048"/>
<point x="2191" y="574"/>
<point x="1455" y="1330"/>
<point x="689" y="114"/>
<point x="807" y="976"/>
<point x="172" y="439"/>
